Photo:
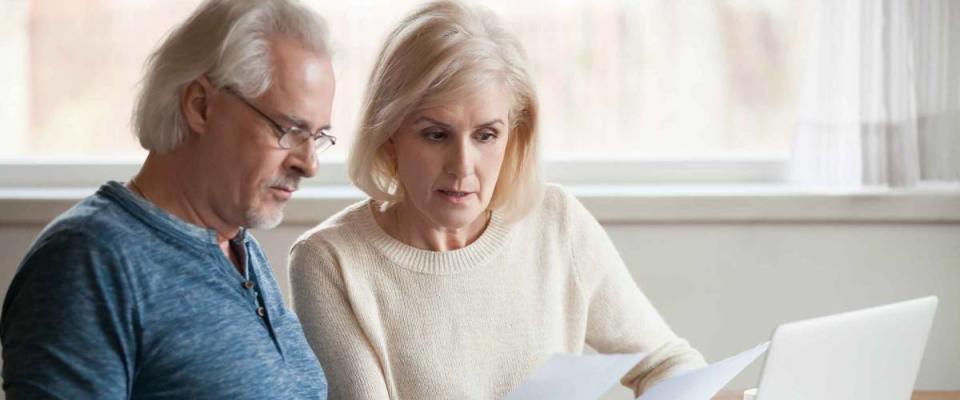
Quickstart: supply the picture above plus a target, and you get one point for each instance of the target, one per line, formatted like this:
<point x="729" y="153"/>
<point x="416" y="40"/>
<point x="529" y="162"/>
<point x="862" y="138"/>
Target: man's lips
<point x="284" y="192"/>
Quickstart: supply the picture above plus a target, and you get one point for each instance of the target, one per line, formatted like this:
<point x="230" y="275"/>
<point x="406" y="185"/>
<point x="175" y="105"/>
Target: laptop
<point x="870" y="354"/>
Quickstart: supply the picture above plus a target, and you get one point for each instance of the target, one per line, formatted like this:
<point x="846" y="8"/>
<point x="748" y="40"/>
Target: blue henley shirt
<point x="118" y="299"/>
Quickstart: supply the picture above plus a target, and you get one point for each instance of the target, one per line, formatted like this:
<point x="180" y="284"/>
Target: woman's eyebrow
<point x="448" y="126"/>
<point x="432" y="121"/>
<point x="497" y="121"/>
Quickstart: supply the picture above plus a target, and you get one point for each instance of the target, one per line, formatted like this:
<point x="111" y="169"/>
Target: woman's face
<point x="449" y="157"/>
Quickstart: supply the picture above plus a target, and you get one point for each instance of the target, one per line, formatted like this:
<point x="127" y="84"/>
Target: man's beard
<point x="264" y="218"/>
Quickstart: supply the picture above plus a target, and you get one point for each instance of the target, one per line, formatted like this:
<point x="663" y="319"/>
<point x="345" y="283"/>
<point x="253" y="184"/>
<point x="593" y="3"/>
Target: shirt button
<point x="248" y="284"/>
<point x="261" y="312"/>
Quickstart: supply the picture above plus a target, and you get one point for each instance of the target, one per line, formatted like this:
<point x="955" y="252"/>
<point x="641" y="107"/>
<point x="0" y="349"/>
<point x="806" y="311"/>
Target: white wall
<point x="726" y="283"/>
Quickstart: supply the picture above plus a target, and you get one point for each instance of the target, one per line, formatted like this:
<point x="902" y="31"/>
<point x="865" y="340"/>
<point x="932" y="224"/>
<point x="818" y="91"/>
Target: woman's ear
<point x="390" y="148"/>
<point x="194" y="104"/>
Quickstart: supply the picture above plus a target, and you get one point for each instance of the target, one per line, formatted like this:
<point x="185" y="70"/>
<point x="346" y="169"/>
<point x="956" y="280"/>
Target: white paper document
<point x="704" y="383"/>
<point x="587" y="377"/>
<point x="575" y="377"/>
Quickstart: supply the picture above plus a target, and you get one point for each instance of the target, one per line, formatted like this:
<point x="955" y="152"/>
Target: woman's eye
<point x="486" y="136"/>
<point x="435" y="136"/>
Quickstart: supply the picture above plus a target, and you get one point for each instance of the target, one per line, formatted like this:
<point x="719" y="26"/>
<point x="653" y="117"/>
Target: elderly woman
<point x="463" y="272"/>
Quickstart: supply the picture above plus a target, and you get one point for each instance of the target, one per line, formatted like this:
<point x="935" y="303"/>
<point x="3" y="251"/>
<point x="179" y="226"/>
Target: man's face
<point x="252" y="176"/>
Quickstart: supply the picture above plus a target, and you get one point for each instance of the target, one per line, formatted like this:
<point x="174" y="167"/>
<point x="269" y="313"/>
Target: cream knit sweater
<point x="390" y="321"/>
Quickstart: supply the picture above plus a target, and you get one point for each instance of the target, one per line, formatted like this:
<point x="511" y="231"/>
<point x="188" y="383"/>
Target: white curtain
<point x="880" y="101"/>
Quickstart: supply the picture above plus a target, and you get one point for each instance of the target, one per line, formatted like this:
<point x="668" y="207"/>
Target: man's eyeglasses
<point x="294" y="136"/>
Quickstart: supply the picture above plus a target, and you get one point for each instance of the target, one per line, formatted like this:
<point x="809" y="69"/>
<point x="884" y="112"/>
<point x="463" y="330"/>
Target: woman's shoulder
<point x="336" y="229"/>
<point x="554" y="193"/>
<point x="559" y="202"/>
<point x="557" y="213"/>
<point x="562" y="213"/>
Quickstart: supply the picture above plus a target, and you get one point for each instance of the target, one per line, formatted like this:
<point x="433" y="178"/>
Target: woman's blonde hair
<point x="441" y="51"/>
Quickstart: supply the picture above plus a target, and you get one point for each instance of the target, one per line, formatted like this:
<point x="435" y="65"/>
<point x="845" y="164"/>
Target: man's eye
<point x="299" y="133"/>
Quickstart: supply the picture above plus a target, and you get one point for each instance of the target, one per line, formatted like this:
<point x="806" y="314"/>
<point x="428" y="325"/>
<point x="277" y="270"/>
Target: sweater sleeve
<point x="320" y="300"/>
<point x="620" y="317"/>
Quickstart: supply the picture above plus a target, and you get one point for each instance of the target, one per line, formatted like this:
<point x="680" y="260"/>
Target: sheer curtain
<point x="880" y="98"/>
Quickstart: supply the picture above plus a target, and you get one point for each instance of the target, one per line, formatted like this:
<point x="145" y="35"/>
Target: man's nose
<point x="303" y="159"/>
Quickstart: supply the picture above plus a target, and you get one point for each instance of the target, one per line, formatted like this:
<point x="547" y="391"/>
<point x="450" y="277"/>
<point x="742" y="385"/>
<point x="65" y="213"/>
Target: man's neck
<point x="161" y="182"/>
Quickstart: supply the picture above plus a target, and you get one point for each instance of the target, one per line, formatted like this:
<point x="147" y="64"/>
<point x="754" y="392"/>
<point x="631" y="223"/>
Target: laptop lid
<point x="870" y="354"/>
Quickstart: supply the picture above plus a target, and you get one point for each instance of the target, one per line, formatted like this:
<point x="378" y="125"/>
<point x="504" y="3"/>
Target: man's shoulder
<point x="97" y="219"/>
<point x="93" y="231"/>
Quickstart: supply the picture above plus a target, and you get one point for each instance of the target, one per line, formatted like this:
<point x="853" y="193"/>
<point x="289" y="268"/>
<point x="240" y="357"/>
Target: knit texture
<point x="390" y="321"/>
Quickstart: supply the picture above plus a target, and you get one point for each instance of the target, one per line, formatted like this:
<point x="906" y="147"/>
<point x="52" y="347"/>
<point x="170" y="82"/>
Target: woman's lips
<point x="454" y="196"/>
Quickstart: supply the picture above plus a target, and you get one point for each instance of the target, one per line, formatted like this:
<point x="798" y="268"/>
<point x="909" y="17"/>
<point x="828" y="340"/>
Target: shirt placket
<point x="251" y="286"/>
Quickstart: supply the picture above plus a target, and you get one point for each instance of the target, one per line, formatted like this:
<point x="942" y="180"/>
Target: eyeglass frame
<point x="321" y="139"/>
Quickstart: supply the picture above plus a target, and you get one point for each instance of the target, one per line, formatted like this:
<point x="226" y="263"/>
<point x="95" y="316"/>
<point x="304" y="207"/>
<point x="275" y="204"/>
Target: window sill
<point x="612" y="204"/>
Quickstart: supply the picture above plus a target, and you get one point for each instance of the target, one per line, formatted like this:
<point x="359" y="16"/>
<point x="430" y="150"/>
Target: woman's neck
<point x="408" y="226"/>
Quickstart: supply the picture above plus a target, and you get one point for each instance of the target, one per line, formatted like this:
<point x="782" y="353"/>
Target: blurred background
<point x="624" y="79"/>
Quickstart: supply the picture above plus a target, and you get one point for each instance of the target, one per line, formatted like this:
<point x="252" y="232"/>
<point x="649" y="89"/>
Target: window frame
<point x="57" y="173"/>
<point x="616" y="192"/>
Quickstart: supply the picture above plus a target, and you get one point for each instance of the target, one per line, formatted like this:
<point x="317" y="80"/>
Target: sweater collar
<point x="490" y="242"/>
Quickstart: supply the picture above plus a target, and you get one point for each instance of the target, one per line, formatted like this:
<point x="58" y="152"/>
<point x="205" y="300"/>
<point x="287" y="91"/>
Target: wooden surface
<point x="918" y="395"/>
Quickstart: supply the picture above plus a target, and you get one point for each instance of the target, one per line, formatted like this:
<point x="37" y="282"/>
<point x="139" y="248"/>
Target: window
<point x="629" y="79"/>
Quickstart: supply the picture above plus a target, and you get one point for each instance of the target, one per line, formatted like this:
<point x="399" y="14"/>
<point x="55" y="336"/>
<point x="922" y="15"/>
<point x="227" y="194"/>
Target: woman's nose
<point x="460" y="159"/>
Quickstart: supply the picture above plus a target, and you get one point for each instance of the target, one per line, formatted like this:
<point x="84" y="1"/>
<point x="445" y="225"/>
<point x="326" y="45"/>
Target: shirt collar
<point x="160" y="218"/>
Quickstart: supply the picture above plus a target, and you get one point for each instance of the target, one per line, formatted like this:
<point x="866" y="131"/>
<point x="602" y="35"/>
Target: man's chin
<point x="258" y="219"/>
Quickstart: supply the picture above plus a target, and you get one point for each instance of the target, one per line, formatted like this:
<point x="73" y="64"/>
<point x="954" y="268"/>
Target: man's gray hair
<point x="228" y="41"/>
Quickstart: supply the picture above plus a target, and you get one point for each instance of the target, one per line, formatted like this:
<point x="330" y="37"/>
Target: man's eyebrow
<point x="300" y="123"/>
<point x="297" y="121"/>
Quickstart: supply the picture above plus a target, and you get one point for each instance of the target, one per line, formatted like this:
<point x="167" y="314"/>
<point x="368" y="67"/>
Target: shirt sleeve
<point x="66" y="327"/>
<point x="321" y="302"/>
<point x="620" y="317"/>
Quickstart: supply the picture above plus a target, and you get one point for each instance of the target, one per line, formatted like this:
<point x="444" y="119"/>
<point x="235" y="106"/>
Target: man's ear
<point x="194" y="104"/>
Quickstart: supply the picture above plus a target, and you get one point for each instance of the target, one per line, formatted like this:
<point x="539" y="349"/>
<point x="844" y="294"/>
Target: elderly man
<point x="155" y="289"/>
